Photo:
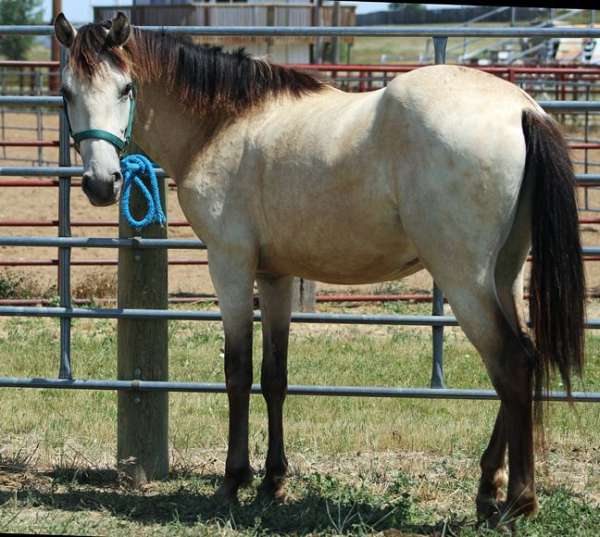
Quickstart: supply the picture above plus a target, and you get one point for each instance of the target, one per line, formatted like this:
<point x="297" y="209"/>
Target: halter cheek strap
<point x="99" y="134"/>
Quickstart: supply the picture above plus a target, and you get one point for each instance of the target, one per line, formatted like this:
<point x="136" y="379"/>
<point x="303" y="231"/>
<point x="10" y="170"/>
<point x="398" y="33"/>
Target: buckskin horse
<point x="446" y="169"/>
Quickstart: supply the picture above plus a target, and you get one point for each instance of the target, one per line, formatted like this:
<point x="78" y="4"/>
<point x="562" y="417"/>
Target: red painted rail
<point x="321" y="298"/>
<point x="55" y="143"/>
<point x="175" y="223"/>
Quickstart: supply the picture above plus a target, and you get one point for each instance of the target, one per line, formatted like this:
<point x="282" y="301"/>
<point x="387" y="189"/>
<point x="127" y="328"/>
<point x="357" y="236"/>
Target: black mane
<point x="203" y="76"/>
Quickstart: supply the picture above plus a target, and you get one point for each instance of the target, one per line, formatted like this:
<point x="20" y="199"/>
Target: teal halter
<point x="132" y="166"/>
<point x="99" y="134"/>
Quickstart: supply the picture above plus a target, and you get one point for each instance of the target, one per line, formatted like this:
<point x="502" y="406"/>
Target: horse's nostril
<point x="117" y="181"/>
<point x="85" y="184"/>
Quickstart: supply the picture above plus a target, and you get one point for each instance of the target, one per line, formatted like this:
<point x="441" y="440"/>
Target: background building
<point x="251" y="13"/>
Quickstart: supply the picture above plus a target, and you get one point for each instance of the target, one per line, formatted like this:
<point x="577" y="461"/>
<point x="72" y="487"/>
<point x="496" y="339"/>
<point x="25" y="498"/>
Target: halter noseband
<point x="99" y="134"/>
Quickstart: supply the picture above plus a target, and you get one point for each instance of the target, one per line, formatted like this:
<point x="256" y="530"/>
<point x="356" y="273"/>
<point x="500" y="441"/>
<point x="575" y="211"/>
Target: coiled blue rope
<point x="133" y="167"/>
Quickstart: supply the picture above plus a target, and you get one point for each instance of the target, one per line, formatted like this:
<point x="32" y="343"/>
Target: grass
<point x="359" y="465"/>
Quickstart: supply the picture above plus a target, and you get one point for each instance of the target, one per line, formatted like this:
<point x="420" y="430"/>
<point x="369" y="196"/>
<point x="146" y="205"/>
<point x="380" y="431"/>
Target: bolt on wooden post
<point x="142" y="430"/>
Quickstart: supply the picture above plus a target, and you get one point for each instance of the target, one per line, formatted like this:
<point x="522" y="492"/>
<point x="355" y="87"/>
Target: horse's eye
<point x="65" y="92"/>
<point x="126" y="90"/>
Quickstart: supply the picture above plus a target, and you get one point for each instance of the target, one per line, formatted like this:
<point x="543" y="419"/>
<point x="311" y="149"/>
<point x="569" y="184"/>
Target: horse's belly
<point x="341" y="259"/>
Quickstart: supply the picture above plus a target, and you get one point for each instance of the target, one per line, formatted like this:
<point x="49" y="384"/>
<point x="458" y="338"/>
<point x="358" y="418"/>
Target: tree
<point x="15" y="47"/>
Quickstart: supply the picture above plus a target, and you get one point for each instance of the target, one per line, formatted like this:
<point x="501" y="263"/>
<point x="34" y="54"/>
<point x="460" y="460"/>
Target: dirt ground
<point x="41" y="203"/>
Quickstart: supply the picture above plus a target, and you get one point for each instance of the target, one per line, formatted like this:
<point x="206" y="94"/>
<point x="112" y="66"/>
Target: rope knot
<point x="133" y="167"/>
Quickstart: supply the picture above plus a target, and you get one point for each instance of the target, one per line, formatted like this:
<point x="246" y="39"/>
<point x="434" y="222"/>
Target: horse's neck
<point x="166" y="131"/>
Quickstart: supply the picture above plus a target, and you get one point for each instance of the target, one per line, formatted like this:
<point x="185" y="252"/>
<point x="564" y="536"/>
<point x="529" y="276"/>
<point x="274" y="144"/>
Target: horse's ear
<point x="65" y="33"/>
<point x="120" y="31"/>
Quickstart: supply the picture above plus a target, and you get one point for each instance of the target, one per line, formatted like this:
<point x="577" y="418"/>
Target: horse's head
<point x="99" y="101"/>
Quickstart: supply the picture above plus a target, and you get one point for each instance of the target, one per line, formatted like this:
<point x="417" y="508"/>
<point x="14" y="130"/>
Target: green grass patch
<point x="359" y="465"/>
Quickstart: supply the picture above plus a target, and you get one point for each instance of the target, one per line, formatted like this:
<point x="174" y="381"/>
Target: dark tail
<point x="557" y="286"/>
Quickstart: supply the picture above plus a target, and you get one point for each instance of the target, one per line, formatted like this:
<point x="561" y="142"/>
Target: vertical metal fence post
<point x="439" y="48"/>
<point x="142" y="352"/>
<point x="437" y="369"/>
<point x="64" y="230"/>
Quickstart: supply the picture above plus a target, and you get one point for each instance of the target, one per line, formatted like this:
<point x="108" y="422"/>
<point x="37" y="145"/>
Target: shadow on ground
<point x="315" y="503"/>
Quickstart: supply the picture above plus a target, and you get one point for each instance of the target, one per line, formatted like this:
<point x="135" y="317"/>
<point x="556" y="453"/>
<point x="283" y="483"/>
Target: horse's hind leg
<point x="493" y="471"/>
<point x="233" y="278"/>
<point x="275" y="304"/>
<point x="509" y="365"/>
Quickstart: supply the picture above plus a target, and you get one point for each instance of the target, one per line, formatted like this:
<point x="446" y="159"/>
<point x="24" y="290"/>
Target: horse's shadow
<point x="307" y="513"/>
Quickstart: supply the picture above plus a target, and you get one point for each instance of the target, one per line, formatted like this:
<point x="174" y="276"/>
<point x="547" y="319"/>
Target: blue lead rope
<point x="133" y="167"/>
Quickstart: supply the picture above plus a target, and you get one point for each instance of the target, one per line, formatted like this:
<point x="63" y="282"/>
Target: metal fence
<point x="561" y="82"/>
<point x="65" y="242"/>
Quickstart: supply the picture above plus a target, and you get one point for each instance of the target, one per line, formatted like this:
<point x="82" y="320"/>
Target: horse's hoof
<point x="227" y="492"/>
<point x="526" y="506"/>
<point x="274" y="488"/>
<point x="487" y="509"/>
<point x="492" y="514"/>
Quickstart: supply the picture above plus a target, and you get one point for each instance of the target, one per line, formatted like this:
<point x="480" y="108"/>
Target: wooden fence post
<point x="142" y="431"/>
<point x="304" y="295"/>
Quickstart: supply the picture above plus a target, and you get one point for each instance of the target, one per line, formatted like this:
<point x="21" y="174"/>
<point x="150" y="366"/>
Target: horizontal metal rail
<point x="191" y="315"/>
<point x="341" y="31"/>
<point x="51" y="171"/>
<point x="93" y="242"/>
<point x="26" y="100"/>
<point x="92" y="223"/>
<point x="135" y="242"/>
<point x="185" y="315"/>
<point x="558" y="106"/>
<point x="588" y="179"/>
<point x="171" y="223"/>
<point x="293" y="389"/>
<point x="87" y="262"/>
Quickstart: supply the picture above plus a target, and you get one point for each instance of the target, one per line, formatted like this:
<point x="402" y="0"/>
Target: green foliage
<point x="15" y="47"/>
<point x="15" y="285"/>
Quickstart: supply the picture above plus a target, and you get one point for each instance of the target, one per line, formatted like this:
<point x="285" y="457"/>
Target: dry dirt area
<point x="41" y="203"/>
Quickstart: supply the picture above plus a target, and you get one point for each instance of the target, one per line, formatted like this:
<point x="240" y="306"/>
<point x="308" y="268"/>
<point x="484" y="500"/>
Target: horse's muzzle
<point x="102" y="192"/>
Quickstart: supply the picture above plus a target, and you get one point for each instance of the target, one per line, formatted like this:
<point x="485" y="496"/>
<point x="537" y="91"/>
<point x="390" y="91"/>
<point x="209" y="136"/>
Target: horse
<point x="446" y="169"/>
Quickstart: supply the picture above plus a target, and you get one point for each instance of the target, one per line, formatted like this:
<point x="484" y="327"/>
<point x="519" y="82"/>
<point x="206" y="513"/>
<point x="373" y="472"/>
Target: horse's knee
<point x="239" y="383"/>
<point x="274" y="387"/>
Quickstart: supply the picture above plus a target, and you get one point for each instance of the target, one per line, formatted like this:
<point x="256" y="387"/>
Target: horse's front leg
<point x="233" y="278"/>
<point x="276" y="305"/>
